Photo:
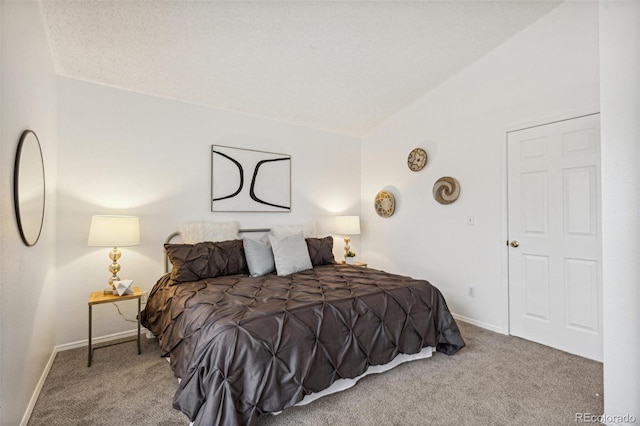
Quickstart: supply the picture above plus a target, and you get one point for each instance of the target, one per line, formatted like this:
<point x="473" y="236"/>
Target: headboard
<point x="177" y="234"/>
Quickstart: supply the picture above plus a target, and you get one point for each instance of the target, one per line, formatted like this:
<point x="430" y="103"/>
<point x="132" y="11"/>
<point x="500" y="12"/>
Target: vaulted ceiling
<point x="339" y="66"/>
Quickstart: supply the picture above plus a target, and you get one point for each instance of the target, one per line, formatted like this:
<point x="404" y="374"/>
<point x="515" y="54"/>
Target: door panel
<point x="581" y="286"/>
<point x="555" y="291"/>
<point x="536" y="282"/>
<point x="534" y="203"/>
<point x="580" y="195"/>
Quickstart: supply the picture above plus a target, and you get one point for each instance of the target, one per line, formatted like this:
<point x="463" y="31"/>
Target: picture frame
<point x="247" y="180"/>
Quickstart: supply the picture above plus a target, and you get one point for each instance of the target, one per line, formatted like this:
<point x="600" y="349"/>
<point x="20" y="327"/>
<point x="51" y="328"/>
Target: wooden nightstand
<point x="97" y="298"/>
<point x="356" y="263"/>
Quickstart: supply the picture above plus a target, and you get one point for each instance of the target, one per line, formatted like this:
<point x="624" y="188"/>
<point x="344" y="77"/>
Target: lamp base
<point x="347" y="247"/>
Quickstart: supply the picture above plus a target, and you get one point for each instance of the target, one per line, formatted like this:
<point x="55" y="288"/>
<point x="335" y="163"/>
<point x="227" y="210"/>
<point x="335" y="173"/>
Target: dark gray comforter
<point x="246" y="346"/>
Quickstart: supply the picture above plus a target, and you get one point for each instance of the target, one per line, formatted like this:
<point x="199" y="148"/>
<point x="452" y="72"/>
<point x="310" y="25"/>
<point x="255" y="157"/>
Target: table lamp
<point x="347" y="225"/>
<point x="114" y="231"/>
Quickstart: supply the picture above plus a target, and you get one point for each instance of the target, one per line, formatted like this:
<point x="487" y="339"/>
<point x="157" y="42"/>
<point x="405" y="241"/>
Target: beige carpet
<point x="495" y="380"/>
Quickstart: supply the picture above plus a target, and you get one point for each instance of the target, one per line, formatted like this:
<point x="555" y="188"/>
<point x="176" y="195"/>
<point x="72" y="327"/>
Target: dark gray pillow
<point x="321" y="251"/>
<point x="192" y="262"/>
<point x="259" y="256"/>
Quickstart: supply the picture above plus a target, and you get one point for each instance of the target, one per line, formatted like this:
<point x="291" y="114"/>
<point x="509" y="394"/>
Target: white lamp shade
<point x="348" y="225"/>
<point x="114" y="231"/>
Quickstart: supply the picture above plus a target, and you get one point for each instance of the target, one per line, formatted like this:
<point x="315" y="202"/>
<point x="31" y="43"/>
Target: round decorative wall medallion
<point x="417" y="159"/>
<point x="446" y="190"/>
<point x="385" y="204"/>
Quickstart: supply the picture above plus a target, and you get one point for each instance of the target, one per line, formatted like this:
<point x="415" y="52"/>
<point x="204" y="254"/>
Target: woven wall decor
<point x="446" y="190"/>
<point x="417" y="160"/>
<point x="385" y="204"/>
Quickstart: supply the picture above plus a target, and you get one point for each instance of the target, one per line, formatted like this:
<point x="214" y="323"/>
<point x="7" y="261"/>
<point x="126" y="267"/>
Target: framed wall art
<point x="246" y="180"/>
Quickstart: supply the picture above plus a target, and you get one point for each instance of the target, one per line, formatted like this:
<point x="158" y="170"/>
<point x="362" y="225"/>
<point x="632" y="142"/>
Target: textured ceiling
<point x="340" y="66"/>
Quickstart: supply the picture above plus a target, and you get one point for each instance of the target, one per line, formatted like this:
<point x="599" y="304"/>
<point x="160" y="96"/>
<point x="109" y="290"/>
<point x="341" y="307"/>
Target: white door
<point x="555" y="268"/>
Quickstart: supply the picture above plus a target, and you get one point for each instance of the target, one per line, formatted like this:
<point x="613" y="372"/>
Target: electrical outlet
<point x="145" y="296"/>
<point x="471" y="291"/>
<point x="470" y="220"/>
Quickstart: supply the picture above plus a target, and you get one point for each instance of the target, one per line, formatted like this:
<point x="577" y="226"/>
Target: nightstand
<point x="97" y="298"/>
<point x="356" y="263"/>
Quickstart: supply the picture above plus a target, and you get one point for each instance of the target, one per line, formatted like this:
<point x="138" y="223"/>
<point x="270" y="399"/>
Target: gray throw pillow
<point x="259" y="256"/>
<point x="290" y="254"/>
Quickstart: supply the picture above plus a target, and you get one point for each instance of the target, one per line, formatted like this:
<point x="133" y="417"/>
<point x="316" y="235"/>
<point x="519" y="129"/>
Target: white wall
<point x="549" y="69"/>
<point x="124" y="152"/>
<point x="27" y="274"/>
<point x="620" y="100"/>
<point x="2" y="207"/>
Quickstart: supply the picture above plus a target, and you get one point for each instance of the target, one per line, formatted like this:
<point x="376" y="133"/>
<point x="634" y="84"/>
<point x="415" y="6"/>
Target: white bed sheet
<point x="344" y="384"/>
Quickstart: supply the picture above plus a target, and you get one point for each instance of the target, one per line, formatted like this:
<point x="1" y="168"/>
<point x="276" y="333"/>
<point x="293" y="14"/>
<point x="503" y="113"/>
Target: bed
<point x="243" y="346"/>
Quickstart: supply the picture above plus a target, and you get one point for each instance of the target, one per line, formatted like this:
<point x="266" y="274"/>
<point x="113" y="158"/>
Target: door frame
<point x="504" y="172"/>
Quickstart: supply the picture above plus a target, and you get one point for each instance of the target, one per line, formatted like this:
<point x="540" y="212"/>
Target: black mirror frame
<point x="16" y="194"/>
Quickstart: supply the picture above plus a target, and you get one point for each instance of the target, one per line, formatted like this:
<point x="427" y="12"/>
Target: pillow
<point x="290" y="254"/>
<point x="320" y="250"/>
<point x="259" y="256"/>
<point x="208" y="259"/>
<point x="196" y="232"/>
<point x="308" y="229"/>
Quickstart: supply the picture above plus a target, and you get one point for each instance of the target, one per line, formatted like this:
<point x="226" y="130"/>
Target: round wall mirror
<point x="28" y="188"/>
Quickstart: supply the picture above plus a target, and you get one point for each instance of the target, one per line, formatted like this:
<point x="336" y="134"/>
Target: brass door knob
<point x="514" y="244"/>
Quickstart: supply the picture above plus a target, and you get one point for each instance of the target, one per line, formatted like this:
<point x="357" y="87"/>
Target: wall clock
<point x="417" y="159"/>
<point x="385" y="204"/>
<point x="446" y="190"/>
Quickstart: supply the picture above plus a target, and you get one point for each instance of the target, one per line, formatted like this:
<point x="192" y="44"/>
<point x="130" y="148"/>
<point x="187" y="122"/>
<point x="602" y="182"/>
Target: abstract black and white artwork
<point x="245" y="180"/>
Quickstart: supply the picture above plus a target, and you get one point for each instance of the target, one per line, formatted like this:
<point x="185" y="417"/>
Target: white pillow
<point x="197" y="232"/>
<point x="259" y="256"/>
<point x="308" y="230"/>
<point x="290" y="253"/>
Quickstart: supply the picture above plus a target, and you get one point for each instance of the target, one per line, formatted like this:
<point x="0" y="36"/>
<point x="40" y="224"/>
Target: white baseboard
<point x="101" y="339"/>
<point x="66" y="347"/>
<point x="481" y="324"/>
<point x="36" y="392"/>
